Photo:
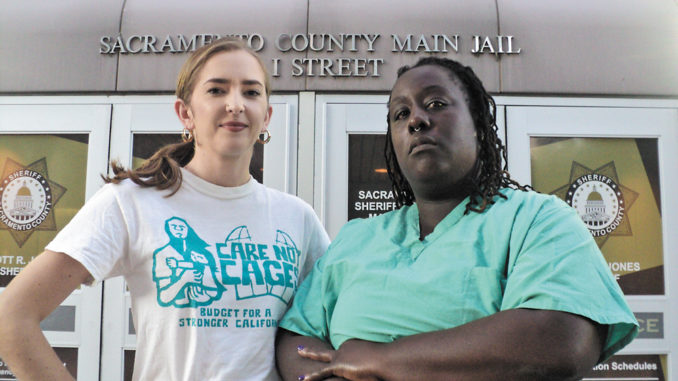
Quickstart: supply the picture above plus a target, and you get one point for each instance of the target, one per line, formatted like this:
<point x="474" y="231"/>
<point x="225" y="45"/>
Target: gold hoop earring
<point x="264" y="137"/>
<point x="186" y="135"/>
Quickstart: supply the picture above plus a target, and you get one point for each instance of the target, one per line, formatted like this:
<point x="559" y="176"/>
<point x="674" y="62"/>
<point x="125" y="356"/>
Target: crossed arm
<point x="519" y="344"/>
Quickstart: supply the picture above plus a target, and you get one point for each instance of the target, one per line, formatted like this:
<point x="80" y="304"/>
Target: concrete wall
<point x="577" y="47"/>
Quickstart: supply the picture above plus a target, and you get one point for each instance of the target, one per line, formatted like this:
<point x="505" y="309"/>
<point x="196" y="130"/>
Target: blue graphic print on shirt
<point x="257" y="269"/>
<point x="188" y="275"/>
<point x="184" y="271"/>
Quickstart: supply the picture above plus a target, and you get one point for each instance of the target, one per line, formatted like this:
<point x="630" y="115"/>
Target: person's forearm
<point x="28" y="299"/>
<point x="290" y="364"/>
<point x="510" y="345"/>
<point x="29" y="355"/>
<point x="170" y="292"/>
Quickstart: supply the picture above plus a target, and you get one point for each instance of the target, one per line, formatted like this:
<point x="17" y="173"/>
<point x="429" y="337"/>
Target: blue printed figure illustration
<point x="184" y="270"/>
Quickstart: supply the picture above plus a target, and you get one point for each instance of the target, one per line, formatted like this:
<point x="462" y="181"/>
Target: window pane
<point x="42" y="186"/>
<point x="613" y="183"/>
<point x="145" y="145"/>
<point x="369" y="187"/>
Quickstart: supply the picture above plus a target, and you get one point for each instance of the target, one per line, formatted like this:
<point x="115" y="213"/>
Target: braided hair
<point x="488" y="175"/>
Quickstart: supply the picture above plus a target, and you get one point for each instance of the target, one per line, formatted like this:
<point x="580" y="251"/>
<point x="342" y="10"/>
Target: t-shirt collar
<point x="217" y="191"/>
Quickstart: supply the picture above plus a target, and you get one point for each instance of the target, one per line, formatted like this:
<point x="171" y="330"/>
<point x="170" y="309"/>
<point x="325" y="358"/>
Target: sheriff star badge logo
<point x="27" y="199"/>
<point x="600" y="199"/>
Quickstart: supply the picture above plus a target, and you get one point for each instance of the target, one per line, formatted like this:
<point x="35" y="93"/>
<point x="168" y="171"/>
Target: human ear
<point x="267" y="119"/>
<point x="184" y="113"/>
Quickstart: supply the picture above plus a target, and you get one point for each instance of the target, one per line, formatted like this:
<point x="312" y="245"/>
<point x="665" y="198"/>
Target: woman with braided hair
<point x="474" y="277"/>
<point x="489" y="175"/>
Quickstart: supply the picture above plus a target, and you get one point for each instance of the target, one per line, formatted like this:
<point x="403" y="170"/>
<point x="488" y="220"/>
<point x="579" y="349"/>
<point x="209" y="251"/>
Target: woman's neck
<point x="226" y="172"/>
<point x="436" y="199"/>
<point x="432" y="212"/>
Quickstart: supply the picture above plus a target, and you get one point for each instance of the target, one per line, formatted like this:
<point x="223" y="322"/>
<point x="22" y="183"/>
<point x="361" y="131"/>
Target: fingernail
<point x="300" y="348"/>
<point x="301" y="378"/>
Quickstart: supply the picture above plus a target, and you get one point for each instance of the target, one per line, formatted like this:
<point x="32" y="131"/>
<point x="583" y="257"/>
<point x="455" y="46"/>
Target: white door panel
<point x="155" y="115"/>
<point x="73" y="328"/>
<point x="598" y="126"/>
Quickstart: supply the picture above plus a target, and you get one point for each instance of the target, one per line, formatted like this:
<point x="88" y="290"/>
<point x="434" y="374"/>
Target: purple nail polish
<point x="301" y="378"/>
<point x="299" y="348"/>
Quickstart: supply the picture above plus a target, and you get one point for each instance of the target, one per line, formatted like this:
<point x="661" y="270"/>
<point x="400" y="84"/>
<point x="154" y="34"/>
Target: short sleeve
<point x="307" y="316"/>
<point x="556" y="265"/>
<point x="317" y="243"/>
<point x="97" y="235"/>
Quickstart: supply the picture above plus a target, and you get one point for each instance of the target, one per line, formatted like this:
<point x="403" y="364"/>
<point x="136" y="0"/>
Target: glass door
<point x="52" y="151"/>
<point x="140" y="126"/>
<point x="350" y="178"/>
<point x="616" y="165"/>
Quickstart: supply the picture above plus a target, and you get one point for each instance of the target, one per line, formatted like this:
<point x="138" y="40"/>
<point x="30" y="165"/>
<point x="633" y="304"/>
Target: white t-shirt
<point x="210" y="270"/>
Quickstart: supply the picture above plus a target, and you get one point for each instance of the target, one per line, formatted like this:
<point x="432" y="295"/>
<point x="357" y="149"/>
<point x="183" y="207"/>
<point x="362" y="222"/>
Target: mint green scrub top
<point x="379" y="282"/>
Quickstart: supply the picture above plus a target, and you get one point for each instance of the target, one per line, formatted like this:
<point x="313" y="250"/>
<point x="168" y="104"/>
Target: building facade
<point x="587" y="104"/>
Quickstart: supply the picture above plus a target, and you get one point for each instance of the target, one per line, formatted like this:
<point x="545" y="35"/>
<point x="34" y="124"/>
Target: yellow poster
<point x="613" y="183"/>
<point x="42" y="186"/>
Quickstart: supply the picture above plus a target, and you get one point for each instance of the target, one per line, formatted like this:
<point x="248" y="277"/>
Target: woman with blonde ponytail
<point x="210" y="256"/>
